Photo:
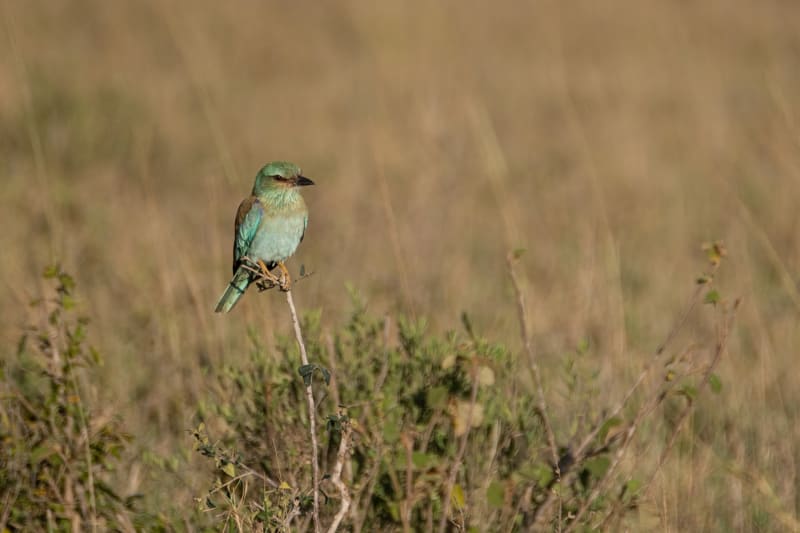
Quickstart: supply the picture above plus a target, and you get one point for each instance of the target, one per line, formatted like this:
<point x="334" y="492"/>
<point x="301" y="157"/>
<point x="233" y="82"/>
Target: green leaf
<point x="583" y="346"/>
<point x="630" y="489"/>
<point x="457" y="496"/>
<point x="543" y="474"/>
<point x="95" y="356"/>
<point x="467" y="323"/>
<point x="690" y="391"/>
<point x="437" y="397"/>
<point x="712" y="297"/>
<point x="703" y="279"/>
<point x="229" y="469"/>
<point x="399" y="460"/>
<point x="394" y="510"/>
<point x="68" y="302"/>
<point x="306" y="371"/>
<point x="495" y="495"/>
<point x="51" y="271"/>
<point x="422" y="460"/>
<point x="598" y="466"/>
<point x="67" y="282"/>
<point x="610" y="423"/>
<point x="715" y="383"/>
<point x="391" y="430"/>
<point x="333" y="423"/>
<point x="40" y="453"/>
<point x="326" y="375"/>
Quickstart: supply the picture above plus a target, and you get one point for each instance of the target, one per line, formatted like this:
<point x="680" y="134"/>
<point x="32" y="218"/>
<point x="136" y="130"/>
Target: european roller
<point x="270" y="224"/>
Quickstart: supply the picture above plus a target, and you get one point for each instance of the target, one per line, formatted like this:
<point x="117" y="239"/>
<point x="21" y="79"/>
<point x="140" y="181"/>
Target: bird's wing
<point x="248" y="218"/>
<point x="305" y="225"/>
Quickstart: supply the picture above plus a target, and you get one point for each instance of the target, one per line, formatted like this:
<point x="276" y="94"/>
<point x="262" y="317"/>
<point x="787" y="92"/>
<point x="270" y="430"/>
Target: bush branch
<point x="543" y="511"/>
<point x="312" y="421"/>
<point x="720" y="349"/>
<point x="462" y="448"/>
<point x="336" y="478"/>
<point x="533" y="365"/>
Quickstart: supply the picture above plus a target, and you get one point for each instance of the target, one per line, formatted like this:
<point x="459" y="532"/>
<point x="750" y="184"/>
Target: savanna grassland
<point x="609" y="140"/>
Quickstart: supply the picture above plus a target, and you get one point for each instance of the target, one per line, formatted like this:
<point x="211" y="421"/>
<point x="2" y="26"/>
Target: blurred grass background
<point x="607" y="139"/>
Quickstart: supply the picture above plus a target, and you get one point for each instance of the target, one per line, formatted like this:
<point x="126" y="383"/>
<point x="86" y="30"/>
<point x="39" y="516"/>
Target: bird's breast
<point x="277" y="237"/>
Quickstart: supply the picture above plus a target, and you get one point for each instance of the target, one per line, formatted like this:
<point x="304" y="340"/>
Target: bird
<point x="269" y="226"/>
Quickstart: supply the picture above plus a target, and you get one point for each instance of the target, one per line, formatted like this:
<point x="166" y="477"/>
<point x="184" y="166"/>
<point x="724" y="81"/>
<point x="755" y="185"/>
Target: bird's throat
<point x="283" y="199"/>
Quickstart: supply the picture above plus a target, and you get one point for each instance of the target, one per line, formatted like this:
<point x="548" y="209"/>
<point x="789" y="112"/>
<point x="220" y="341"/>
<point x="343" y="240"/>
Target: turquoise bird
<point x="270" y="224"/>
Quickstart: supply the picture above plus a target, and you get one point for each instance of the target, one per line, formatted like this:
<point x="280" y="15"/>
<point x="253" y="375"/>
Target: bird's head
<point x="279" y="175"/>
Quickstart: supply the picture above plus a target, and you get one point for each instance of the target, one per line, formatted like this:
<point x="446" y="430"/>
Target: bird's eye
<point x="278" y="177"/>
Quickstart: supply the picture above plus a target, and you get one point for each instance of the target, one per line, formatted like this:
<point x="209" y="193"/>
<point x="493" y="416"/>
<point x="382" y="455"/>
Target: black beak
<point x="302" y="181"/>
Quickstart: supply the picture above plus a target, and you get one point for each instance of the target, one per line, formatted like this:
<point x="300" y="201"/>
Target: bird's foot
<point x="265" y="271"/>
<point x="268" y="278"/>
<point x="285" y="282"/>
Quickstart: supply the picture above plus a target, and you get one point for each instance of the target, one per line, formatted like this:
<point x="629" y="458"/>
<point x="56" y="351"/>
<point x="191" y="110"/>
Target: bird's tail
<point x="234" y="291"/>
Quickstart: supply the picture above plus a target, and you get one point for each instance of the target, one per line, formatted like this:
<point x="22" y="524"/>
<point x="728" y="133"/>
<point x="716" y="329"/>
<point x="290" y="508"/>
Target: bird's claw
<point x="285" y="282"/>
<point x="265" y="279"/>
<point x="269" y="276"/>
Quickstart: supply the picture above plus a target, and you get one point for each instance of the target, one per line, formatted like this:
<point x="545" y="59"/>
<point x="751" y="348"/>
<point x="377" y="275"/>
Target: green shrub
<point x="418" y="431"/>
<point x="429" y="417"/>
<point x="57" y="453"/>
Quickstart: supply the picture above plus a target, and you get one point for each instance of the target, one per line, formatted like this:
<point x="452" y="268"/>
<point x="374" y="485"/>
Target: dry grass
<point x="608" y="139"/>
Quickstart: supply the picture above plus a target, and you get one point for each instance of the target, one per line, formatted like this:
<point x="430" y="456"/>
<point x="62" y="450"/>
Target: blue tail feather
<point x="235" y="289"/>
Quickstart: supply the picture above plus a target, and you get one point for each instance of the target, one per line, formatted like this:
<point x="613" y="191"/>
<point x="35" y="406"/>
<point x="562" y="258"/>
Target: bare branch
<point x="312" y="417"/>
<point x="542" y="513"/>
<point x="336" y="478"/>
<point x="533" y="365"/>
<point x="721" y="348"/>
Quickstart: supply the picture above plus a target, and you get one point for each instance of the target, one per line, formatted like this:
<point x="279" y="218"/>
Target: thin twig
<point x="334" y="385"/>
<point x="87" y="448"/>
<point x="385" y="365"/>
<point x="720" y="348"/>
<point x="627" y="438"/>
<point x="8" y="504"/>
<point x="533" y="365"/>
<point x="312" y="420"/>
<point x="407" y="506"/>
<point x="600" y="485"/>
<point x="336" y="478"/>
<point x="364" y="497"/>
<point x="542" y="512"/>
<point x="451" y="480"/>
<point x="722" y="345"/>
<point x="294" y="512"/>
<point x="488" y="474"/>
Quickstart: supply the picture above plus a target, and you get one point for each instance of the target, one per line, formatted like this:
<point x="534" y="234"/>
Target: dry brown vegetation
<point x="608" y="139"/>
